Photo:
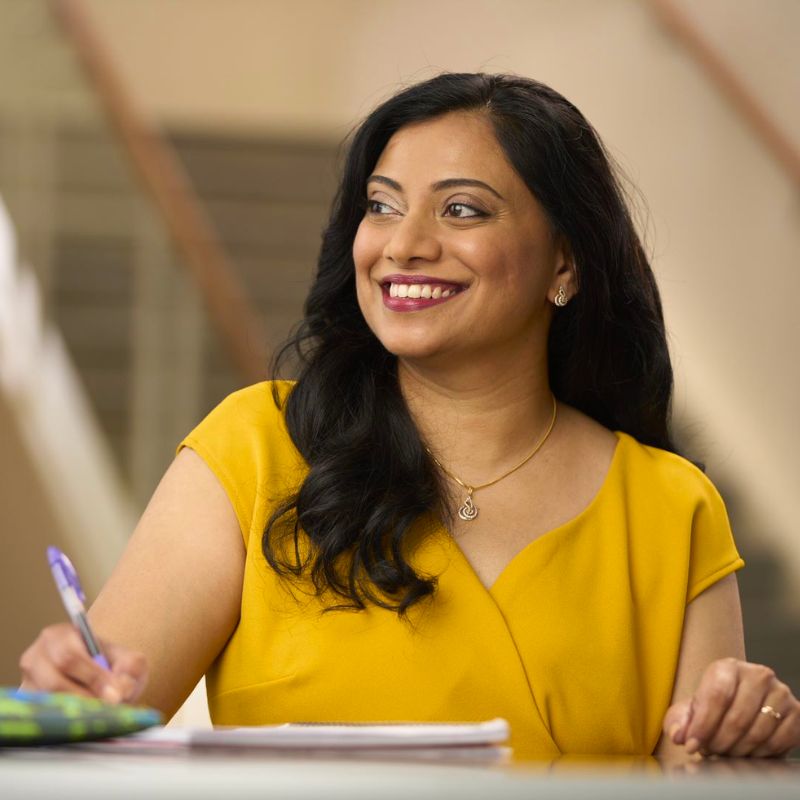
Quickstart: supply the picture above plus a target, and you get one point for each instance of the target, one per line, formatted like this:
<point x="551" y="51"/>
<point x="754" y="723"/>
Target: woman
<point x="469" y="505"/>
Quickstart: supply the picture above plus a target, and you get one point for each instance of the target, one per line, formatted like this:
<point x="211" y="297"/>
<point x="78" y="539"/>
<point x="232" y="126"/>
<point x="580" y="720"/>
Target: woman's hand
<point x="58" y="661"/>
<point x="739" y="709"/>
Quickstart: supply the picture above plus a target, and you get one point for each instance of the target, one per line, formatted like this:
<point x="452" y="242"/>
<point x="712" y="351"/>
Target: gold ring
<point x="770" y="711"/>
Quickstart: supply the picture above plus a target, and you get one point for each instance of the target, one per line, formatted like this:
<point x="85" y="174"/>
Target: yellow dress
<point x="576" y="644"/>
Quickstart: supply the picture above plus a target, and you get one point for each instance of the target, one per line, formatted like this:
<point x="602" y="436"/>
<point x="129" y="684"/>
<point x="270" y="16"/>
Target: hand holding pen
<point x="68" y="657"/>
<point x="73" y="598"/>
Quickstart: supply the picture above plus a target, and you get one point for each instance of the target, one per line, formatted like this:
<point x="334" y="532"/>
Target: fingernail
<point x="673" y="731"/>
<point x="692" y="745"/>
<point x="111" y="695"/>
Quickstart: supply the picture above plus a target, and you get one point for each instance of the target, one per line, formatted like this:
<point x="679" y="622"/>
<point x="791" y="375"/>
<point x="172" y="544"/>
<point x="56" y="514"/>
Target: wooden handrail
<point x="166" y="182"/>
<point x="730" y="85"/>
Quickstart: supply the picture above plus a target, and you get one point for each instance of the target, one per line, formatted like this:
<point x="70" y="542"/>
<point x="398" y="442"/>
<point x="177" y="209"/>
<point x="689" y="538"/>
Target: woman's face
<point x="454" y="255"/>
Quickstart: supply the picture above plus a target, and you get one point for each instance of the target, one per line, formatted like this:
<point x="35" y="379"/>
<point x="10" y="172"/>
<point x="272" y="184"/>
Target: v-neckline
<point x="571" y="523"/>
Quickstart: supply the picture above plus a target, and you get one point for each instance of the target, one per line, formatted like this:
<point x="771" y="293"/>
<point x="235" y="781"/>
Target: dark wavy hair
<point x="370" y="478"/>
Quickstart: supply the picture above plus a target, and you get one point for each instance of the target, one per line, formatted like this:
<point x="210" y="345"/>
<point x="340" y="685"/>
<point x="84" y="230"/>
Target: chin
<point x="412" y="348"/>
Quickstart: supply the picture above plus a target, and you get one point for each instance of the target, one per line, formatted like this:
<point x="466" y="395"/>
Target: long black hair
<point x="350" y="524"/>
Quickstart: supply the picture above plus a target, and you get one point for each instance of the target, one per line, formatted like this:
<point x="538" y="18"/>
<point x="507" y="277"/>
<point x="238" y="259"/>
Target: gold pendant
<point x="468" y="510"/>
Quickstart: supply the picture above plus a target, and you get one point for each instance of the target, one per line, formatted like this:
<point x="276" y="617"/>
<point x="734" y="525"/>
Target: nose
<point x="412" y="238"/>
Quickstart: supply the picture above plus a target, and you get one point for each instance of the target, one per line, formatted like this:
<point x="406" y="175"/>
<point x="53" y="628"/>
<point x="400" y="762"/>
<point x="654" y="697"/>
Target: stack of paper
<point x="426" y="739"/>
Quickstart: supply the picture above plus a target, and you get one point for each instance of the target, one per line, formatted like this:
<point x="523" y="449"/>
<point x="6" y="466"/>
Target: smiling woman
<point x="469" y="504"/>
<point x="492" y="251"/>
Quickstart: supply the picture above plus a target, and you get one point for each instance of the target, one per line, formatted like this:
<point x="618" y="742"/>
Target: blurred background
<point x="166" y="168"/>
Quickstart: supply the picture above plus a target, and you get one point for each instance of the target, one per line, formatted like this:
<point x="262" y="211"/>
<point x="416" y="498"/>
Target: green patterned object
<point x="31" y="718"/>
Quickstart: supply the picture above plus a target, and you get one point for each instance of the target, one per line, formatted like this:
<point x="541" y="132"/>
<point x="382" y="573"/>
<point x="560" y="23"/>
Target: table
<point x="66" y="773"/>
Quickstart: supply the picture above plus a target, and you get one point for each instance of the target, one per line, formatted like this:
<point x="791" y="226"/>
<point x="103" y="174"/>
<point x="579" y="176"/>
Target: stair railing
<point x="730" y="85"/>
<point x="165" y="181"/>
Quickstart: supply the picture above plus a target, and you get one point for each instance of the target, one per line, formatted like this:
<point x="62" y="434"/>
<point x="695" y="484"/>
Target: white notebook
<point x="335" y="736"/>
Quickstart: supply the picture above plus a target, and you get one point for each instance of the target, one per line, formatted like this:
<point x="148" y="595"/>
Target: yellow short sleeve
<point x="245" y="444"/>
<point x="713" y="552"/>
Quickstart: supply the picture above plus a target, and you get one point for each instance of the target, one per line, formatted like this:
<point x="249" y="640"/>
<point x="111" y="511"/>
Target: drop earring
<point x="561" y="297"/>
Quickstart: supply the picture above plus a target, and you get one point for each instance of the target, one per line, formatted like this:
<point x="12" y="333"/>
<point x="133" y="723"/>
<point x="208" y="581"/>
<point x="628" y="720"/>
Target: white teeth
<point x="418" y="290"/>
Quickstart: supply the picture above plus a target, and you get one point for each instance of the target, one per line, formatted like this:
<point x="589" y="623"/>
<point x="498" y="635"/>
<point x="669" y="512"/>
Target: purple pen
<point x="69" y="587"/>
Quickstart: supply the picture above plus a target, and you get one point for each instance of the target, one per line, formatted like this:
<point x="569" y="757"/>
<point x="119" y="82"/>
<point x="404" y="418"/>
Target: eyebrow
<point x="448" y="183"/>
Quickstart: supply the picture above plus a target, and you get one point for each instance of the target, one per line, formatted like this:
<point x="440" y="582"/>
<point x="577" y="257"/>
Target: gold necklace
<point x="468" y="510"/>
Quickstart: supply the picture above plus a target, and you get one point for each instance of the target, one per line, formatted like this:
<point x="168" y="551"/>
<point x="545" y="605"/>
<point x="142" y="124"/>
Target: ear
<point x="565" y="276"/>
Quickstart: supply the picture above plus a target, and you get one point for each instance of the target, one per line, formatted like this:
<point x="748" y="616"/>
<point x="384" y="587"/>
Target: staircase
<point x="133" y="322"/>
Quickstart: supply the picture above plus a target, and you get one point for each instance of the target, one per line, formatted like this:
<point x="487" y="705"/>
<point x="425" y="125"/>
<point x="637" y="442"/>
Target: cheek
<point x="492" y="258"/>
<point x="516" y="262"/>
<point x="363" y="259"/>
<point x="366" y="250"/>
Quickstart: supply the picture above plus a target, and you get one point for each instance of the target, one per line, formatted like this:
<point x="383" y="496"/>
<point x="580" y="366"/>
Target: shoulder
<point x="643" y="474"/>
<point x="680" y="502"/>
<point x="245" y="443"/>
<point x="261" y="401"/>
<point x="252" y="413"/>
<point x="660" y="473"/>
<point x="675" y="518"/>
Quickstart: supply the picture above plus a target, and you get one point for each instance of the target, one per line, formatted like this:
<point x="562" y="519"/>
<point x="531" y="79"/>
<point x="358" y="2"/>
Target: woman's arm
<point x="174" y="597"/>
<point x="718" y="697"/>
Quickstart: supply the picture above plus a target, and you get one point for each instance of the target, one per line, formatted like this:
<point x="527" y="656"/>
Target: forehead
<point x="458" y="144"/>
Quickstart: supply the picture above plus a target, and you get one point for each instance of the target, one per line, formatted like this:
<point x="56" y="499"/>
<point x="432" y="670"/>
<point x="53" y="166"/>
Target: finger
<point x="771" y="711"/>
<point x="68" y="654"/>
<point x="62" y="647"/>
<point x="44" y="677"/>
<point x="785" y="736"/>
<point x="743" y="723"/>
<point x="36" y="663"/>
<point x="130" y="669"/>
<point x="712" y="699"/>
<point x="676" y="721"/>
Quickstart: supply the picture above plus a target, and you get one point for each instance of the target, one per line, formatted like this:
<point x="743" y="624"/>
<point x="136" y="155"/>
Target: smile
<point x="414" y="290"/>
<point x="417" y="292"/>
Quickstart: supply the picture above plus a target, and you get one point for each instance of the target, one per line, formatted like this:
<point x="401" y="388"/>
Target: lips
<point x="416" y="292"/>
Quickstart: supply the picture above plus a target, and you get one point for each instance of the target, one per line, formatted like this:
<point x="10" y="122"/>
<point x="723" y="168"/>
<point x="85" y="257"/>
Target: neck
<point x="478" y="422"/>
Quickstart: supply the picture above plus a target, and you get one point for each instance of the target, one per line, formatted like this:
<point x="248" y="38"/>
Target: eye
<point x="463" y="211"/>
<point x="379" y="208"/>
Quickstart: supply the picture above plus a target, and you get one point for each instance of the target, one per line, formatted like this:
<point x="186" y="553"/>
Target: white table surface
<point x="57" y="773"/>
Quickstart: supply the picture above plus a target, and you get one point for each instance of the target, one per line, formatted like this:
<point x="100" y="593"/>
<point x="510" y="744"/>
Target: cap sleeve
<point x="233" y="441"/>
<point x="713" y="552"/>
